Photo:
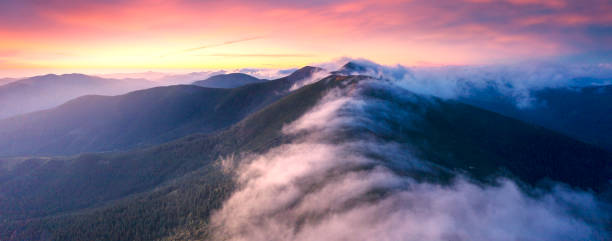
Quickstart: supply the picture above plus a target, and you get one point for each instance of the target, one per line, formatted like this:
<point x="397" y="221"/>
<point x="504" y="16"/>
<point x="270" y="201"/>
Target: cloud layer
<point x="514" y="81"/>
<point x="341" y="180"/>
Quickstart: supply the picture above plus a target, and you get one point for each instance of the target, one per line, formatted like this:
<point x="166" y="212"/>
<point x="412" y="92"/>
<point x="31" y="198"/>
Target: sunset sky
<point x="54" y="36"/>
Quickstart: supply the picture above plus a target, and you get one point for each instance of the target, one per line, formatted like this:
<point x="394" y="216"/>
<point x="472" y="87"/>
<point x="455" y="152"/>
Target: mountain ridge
<point x="231" y="80"/>
<point x="137" y="119"/>
<point x="174" y="172"/>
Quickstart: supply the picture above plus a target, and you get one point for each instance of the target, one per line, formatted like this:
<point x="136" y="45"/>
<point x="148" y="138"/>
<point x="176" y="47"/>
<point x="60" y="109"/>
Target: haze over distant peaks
<point x="4" y="81"/>
<point x="228" y="80"/>
<point x="46" y="91"/>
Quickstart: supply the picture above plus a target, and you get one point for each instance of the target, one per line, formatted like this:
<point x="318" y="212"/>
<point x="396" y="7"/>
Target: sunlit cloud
<point x="215" y="45"/>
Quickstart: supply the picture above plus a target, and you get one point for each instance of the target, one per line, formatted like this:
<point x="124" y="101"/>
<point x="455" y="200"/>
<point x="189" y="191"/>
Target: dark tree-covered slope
<point x="584" y="113"/>
<point x="171" y="189"/>
<point x="137" y="119"/>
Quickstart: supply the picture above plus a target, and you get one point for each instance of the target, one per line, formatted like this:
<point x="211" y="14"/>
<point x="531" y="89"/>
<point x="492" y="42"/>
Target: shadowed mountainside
<point x="578" y="112"/>
<point x="137" y="119"/>
<point x="170" y="190"/>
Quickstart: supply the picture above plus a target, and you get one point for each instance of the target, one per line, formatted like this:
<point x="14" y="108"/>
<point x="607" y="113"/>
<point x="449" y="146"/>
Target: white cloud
<point x="516" y="82"/>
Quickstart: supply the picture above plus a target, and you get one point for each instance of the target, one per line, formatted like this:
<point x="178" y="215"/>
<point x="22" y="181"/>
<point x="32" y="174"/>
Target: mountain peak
<point x="236" y="74"/>
<point x="71" y="76"/>
<point x="231" y="80"/>
<point x="303" y="73"/>
<point x="351" y="67"/>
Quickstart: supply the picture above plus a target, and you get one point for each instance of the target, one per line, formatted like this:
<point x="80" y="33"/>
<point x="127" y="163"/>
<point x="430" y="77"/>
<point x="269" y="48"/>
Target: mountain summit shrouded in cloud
<point x="103" y="36"/>
<point x="352" y="174"/>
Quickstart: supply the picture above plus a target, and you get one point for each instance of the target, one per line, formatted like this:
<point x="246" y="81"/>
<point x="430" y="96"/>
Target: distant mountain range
<point x="46" y="91"/>
<point x="163" y="79"/>
<point x="138" y="119"/>
<point x="169" y="191"/>
<point x="4" y="81"/>
<point x="232" y="80"/>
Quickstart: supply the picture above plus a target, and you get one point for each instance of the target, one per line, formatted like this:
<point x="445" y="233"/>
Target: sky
<point x="105" y="36"/>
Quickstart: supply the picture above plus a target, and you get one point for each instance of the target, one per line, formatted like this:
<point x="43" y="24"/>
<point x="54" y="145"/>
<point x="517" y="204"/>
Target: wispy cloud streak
<point x="213" y="45"/>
